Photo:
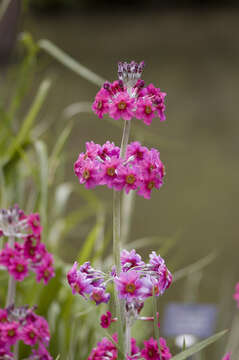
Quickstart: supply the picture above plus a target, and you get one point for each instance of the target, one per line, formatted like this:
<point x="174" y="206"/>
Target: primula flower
<point x="152" y="352"/>
<point x="23" y="324"/>
<point x="122" y="107"/>
<point x="10" y="332"/>
<point x="99" y="295"/>
<point x="18" y="268"/>
<point x="140" y="170"/>
<point x="106" y="320"/>
<point x="31" y="254"/>
<point x="128" y="97"/>
<point x="130" y="259"/>
<point x="129" y="285"/>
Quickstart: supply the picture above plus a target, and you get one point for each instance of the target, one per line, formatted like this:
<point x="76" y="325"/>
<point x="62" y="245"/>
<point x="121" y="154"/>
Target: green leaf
<point x="55" y="156"/>
<point x="199" y="346"/>
<point x="197" y="266"/>
<point x="41" y="150"/>
<point x="89" y="244"/>
<point x="69" y="62"/>
<point x="23" y="133"/>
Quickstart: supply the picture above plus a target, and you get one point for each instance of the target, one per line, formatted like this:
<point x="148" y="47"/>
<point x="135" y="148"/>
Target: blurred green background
<point x="192" y="53"/>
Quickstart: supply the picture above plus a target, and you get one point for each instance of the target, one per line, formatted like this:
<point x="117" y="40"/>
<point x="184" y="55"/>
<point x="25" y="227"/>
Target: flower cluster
<point x="31" y="254"/>
<point x="128" y="97"/>
<point x="236" y="295"/>
<point x="136" y="282"/>
<point x="140" y="170"/>
<point x="23" y="324"/>
<point x="107" y="350"/>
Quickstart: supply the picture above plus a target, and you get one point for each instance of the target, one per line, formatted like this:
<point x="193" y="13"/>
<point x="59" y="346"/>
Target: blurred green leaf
<point x="89" y="243"/>
<point x="41" y="150"/>
<point x="23" y="133"/>
<point x="199" y="346"/>
<point x="69" y="62"/>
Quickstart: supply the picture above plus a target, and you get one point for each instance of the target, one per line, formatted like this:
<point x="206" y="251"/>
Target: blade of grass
<point x="28" y="121"/>
<point x="69" y="62"/>
<point x="199" y="346"/>
<point x="198" y="265"/>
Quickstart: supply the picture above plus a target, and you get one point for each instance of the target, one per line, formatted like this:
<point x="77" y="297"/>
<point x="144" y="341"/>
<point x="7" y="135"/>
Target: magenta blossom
<point x="106" y="320"/>
<point x="140" y="170"/>
<point x="152" y="352"/>
<point x="18" y="268"/>
<point x="128" y="97"/>
<point x="129" y="285"/>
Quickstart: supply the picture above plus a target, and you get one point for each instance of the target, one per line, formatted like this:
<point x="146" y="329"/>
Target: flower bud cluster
<point x="128" y="97"/>
<point x="31" y="253"/>
<point x="23" y="324"/>
<point x="136" y="282"/>
<point x="107" y="350"/>
<point x="140" y="170"/>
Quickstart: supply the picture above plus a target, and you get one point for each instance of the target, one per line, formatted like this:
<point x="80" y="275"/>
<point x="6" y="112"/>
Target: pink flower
<point x="109" y="171"/>
<point x="99" y="295"/>
<point x="45" y="270"/>
<point x="29" y="335"/>
<point x="34" y="223"/>
<point x="150" y="350"/>
<point x="130" y="259"/>
<point x="128" y="178"/>
<point x="101" y="104"/>
<point x="106" y="320"/>
<point x="10" y="332"/>
<point x="18" y="268"/>
<point x="129" y="285"/>
<point x="145" y="111"/>
<point x="3" y="316"/>
<point x="122" y="107"/>
<point x="147" y="185"/>
<point x="89" y="174"/>
<point x="136" y="150"/>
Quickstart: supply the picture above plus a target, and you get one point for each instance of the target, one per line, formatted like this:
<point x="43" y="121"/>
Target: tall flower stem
<point x="127" y="338"/>
<point x="11" y="293"/>
<point x="117" y="246"/>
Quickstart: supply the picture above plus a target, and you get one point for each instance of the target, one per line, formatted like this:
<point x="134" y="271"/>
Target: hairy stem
<point x="11" y="293"/>
<point x="127" y="338"/>
<point x="117" y="246"/>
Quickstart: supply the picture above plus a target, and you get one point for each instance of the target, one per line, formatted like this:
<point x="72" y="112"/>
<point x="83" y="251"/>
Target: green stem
<point x="117" y="246"/>
<point x="127" y="338"/>
<point x="11" y="293"/>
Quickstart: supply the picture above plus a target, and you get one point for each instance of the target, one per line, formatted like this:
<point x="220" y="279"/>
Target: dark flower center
<point x="150" y="185"/>
<point x="19" y="268"/>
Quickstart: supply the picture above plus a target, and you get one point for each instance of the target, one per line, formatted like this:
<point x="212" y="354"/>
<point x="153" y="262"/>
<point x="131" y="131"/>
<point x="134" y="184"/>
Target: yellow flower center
<point x="96" y="297"/>
<point x="111" y="171"/>
<point x="130" y="288"/>
<point x="99" y="105"/>
<point x="46" y="273"/>
<point x="86" y="174"/>
<point x="19" y="268"/>
<point x="150" y="185"/>
<point x="148" y="109"/>
<point x="32" y="334"/>
<point x="11" y="332"/>
<point x="122" y="105"/>
<point x="130" y="179"/>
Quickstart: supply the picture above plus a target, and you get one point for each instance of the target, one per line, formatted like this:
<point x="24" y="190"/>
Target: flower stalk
<point x="11" y="293"/>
